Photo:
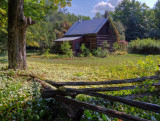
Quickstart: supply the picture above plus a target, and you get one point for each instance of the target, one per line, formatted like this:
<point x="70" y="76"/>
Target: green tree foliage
<point x="3" y="18"/>
<point x="83" y="18"/>
<point x="157" y="14"/>
<point x="98" y="15"/>
<point x="136" y="14"/>
<point x="3" y="25"/>
<point x="133" y="30"/>
<point x="121" y="29"/>
<point x="62" y="14"/>
<point x="66" y="49"/>
<point x="54" y="23"/>
<point x="53" y="26"/>
<point x="41" y="35"/>
<point x="155" y="31"/>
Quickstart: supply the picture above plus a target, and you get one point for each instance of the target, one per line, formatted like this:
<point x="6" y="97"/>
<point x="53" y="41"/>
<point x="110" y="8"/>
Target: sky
<point x="91" y="7"/>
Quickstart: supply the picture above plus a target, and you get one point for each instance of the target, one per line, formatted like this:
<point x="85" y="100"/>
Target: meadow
<point x="20" y="96"/>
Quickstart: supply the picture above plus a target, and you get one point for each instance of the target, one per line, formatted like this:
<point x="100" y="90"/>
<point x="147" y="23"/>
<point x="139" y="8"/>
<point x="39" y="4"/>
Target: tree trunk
<point x="17" y="25"/>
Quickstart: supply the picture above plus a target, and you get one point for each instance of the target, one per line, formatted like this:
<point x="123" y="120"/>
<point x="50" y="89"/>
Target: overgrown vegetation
<point x="101" y="52"/>
<point x="20" y="99"/>
<point x="85" y="52"/>
<point x="144" y="46"/>
<point x="66" y="49"/>
<point x="20" y="96"/>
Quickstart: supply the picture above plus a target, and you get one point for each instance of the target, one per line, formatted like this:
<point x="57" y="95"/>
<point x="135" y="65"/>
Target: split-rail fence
<point x="67" y="96"/>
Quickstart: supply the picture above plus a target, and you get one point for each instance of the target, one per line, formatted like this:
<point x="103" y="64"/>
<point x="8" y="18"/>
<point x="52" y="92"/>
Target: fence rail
<point x="102" y="82"/>
<point x="61" y="91"/>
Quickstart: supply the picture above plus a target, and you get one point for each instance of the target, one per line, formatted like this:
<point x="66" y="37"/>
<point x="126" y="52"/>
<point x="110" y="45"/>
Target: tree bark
<point x="17" y="25"/>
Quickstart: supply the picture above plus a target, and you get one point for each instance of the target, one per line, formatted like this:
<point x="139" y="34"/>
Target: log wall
<point x="109" y="39"/>
<point x="92" y="41"/>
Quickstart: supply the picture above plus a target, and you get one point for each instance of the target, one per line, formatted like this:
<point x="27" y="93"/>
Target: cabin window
<point x="77" y="46"/>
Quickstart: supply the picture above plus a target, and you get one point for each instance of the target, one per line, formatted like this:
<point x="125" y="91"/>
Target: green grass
<point x="24" y="99"/>
<point x="94" y="61"/>
<point x="92" y="69"/>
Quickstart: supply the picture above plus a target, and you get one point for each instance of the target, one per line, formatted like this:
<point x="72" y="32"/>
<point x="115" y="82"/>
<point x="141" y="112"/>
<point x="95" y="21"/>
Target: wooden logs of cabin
<point x="110" y="40"/>
<point x="91" y="42"/>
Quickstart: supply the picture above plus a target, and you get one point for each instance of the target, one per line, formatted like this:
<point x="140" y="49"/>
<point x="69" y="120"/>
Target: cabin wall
<point x="76" y="44"/>
<point x="104" y="30"/>
<point x="106" y="34"/>
<point x="90" y="41"/>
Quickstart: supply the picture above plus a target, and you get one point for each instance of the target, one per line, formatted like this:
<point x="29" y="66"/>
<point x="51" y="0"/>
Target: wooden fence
<point x="75" y="107"/>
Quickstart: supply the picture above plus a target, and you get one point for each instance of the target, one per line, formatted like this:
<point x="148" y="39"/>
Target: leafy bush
<point x="66" y="49"/>
<point x="115" y="46"/>
<point x="101" y="52"/>
<point x="145" y="46"/>
<point x="105" y="44"/>
<point x="85" y="51"/>
<point x="47" y="52"/>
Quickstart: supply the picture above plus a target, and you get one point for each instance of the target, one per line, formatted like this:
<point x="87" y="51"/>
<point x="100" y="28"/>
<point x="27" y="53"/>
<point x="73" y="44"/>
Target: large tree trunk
<point x="17" y="25"/>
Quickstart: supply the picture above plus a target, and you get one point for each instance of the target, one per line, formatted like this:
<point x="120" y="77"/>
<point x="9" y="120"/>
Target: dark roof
<point x="87" y="27"/>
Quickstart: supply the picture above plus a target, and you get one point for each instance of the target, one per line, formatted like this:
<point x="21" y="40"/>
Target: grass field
<point x="22" y="95"/>
<point x="94" y="69"/>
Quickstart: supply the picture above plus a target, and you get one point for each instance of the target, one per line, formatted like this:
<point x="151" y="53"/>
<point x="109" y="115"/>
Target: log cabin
<point x="93" y="33"/>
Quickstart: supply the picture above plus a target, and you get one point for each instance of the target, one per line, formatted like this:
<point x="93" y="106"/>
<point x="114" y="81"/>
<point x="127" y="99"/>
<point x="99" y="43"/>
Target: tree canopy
<point x="52" y="21"/>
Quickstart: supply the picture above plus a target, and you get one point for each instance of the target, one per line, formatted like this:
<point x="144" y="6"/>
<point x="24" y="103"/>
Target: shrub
<point x="101" y="52"/>
<point x="66" y="49"/>
<point x="85" y="51"/>
<point x="47" y="52"/>
<point x="145" y="46"/>
<point x="105" y="44"/>
<point x="147" y="66"/>
<point x="115" y="46"/>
